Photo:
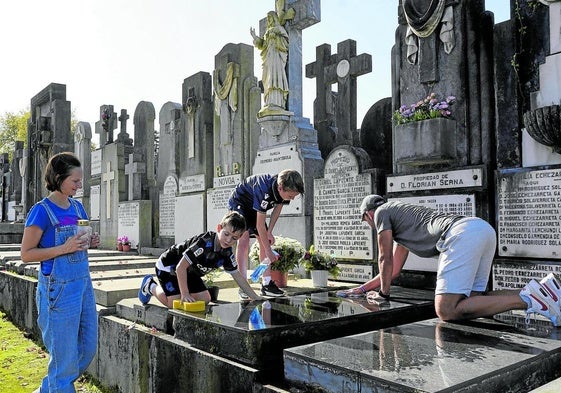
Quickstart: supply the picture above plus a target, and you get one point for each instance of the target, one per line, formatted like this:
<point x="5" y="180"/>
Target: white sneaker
<point x="541" y="302"/>
<point x="553" y="286"/>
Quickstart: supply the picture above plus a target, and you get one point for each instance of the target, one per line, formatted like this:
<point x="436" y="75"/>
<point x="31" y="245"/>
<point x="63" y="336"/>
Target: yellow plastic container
<point x="196" y="306"/>
<point x="177" y="304"/>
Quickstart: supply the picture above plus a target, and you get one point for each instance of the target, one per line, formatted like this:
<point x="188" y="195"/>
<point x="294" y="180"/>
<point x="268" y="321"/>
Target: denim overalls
<point x="67" y="314"/>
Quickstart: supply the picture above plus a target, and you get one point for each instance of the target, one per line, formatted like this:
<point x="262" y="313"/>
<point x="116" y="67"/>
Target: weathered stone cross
<point x="107" y="177"/>
<point x="134" y="171"/>
<point x="343" y="68"/>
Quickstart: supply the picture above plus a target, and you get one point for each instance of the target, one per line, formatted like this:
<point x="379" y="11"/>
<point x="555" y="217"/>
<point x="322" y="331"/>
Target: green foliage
<point x="23" y="363"/>
<point x="290" y="253"/>
<point x="317" y="260"/>
<point x="13" y="127"/>
<point x="428" y="108"/>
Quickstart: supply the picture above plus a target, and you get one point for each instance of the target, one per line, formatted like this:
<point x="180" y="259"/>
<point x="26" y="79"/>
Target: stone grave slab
<point x="256" y="335"/>
<point x="109" y="292"/>
<point x="428" y="356"/>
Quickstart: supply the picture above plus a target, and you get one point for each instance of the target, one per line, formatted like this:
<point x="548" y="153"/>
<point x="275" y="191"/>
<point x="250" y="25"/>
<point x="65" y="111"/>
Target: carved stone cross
<point x="107" y="177"/>
<point x="134" y="171"/>
<point x="344" y="68"/>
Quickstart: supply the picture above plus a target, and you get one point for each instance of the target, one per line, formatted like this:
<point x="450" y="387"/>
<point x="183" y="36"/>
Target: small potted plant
<point x="290" y="253"/>
<point x="320" y="265"/>
<point x="123" y="243"/>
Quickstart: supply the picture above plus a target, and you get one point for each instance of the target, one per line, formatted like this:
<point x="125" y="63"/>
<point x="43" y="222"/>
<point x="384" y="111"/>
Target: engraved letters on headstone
<point x="529" y="213"/>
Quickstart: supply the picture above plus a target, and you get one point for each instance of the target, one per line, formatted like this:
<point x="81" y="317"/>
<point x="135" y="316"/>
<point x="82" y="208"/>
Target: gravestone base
<point x="429" y="356"/>
<point x="255" y="335"/>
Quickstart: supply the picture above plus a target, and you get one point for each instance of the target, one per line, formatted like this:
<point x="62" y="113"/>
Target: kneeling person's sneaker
<point x="553" y="286"/>
<point x="271" y="289"/>
<point x="144" y="293"/>
<point x="540" y="301"/>
<point x="243" y="296"/>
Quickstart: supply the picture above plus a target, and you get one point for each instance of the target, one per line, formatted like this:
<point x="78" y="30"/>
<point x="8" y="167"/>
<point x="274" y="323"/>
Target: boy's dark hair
<point x="58" y="169"/>
<point x="235" y="220"/>
<point x="291" y="180"/>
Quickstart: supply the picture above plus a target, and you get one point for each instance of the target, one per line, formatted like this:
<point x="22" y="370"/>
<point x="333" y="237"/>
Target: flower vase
<point x="280" y="278"/>
<point x="126" y="247"/>
<point x="319" y="278"/>
<point x="119" y="246"/>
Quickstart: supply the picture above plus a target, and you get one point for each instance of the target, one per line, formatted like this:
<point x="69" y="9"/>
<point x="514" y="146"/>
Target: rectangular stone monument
<point x="48" y="133"/>
<point x="190" y="216"/>
<point x="135" y="221"/>
<point x="167" y="207"/>
<point x="112" y="191"/>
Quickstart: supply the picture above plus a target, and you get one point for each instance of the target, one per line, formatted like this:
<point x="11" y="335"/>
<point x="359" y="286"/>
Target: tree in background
<point x="13" y="127"/>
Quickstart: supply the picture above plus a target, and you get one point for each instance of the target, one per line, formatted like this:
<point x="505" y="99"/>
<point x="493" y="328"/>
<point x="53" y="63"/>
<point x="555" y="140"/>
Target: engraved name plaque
<point x="529" y="213"/>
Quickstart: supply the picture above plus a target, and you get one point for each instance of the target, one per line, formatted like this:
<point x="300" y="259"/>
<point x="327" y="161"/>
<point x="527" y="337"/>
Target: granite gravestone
<point x="95" y="184"/>
<point x="342" y="68"/>
<point x="112" y="191"/>
<point x="195" y="155"/>
<point x="48" y="133"/>
<point x="144" y="149"/>
<point x="82" y="149"/>
<point x="447" y="57"/>
<point x="236" y="102"/>
<point x="338" y="229"/>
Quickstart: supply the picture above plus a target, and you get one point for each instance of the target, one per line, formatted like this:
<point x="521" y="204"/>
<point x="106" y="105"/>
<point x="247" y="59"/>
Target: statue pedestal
<point x="290" y="142"/>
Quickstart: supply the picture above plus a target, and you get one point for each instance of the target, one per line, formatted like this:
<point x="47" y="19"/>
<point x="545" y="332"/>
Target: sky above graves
<point x="121" y="52"/>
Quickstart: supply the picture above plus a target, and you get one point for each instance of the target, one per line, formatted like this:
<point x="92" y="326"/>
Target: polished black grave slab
<point x="255" y="333"/>
<point x="431" y="356"/>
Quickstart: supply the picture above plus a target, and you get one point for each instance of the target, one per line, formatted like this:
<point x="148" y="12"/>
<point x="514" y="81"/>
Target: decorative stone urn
<point x="544" y="125"/>
<point x="425" y="142"/>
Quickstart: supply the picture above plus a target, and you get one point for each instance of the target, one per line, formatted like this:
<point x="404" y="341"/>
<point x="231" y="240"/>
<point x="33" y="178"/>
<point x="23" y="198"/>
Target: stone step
<point x="430" y="356"/>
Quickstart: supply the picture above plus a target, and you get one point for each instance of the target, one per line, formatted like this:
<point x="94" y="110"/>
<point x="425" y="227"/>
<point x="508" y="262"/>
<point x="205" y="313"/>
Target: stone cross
<point x="134" y="171"/>
<point x="190" y="112"/>
<point x="123" y="135"/>
<point x="107" y="124"/>
<point x="107" y="177"/>
<point x="308" y="13"/>
<point x="344" y="69"/>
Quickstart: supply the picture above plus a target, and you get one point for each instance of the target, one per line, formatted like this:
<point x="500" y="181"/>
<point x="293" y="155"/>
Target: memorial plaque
<point x="338" y="228"/>
<point x="217" y="205"/>
<point x="509" y="275"/>
<point x="276" y="159"/>
<point x="96" y="163"/>
<point x="355" y="273"/>
<point x="227" y="181"/>
<point x="95" y="194"/>
<point x="463" y="204"/>
<point x="189" y="214"/>
<point x="167" y="207"/>
<point x="438" y="180"/>
<point x="11" y="211"/>
<point x="192" y="184"/>
<point x="529" y="213"/>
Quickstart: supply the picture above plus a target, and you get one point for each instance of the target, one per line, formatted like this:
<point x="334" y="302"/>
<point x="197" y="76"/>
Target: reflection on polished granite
<point x="428" y="356"/>
<point x="255" y="333"/>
